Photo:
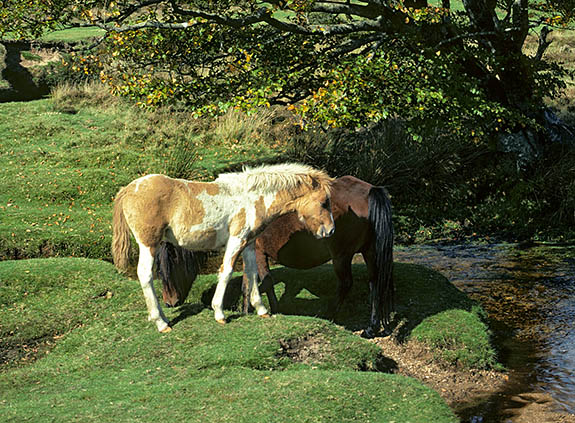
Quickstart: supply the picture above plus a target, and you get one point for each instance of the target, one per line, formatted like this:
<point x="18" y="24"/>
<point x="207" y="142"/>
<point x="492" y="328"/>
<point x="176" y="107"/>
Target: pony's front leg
<point x="251" y="273"/>
<point x="233" y="249"/>
<point x="146" y="277"/>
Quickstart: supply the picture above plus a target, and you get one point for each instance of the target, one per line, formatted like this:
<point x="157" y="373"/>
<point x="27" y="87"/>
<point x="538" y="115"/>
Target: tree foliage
<point x="334" y="62"/>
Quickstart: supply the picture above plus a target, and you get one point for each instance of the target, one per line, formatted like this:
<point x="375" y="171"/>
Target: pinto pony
<point x="229" y="212"/>
<point x="362" y="214"/>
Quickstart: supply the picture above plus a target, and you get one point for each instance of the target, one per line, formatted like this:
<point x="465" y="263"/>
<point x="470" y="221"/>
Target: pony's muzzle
<point x="325" y="232"/>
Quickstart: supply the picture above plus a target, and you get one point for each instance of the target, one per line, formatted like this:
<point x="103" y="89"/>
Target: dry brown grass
<point x="238" y="126"/>
<point x="69" y="97"/>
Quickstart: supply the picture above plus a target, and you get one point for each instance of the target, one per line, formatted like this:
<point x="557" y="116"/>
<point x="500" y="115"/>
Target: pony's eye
<point x="325" y="204"/>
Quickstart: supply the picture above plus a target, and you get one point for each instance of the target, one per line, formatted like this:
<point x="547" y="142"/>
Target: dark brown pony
<point x="362" y="214"/>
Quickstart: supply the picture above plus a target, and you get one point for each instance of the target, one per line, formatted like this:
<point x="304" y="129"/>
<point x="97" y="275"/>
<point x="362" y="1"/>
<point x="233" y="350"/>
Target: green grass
<point x="72" y="35"/>
<point x="457" y="337"/>
<point x="62" y="170"/>
<point x="95" y="357"/>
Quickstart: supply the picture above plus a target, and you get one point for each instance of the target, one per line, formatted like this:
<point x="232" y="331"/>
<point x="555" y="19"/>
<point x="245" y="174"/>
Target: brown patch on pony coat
<point x="210" y="188"/>
<point x="260" y="210"/>
<point x="283" y="202"/>
<point x="344" y="197"/>
<point x="238" y="223"/>
<point x="151" y="203"/>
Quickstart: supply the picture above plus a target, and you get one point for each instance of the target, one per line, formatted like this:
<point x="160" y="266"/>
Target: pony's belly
<point x="200" y="240"/>
<point x="303" y="251"/>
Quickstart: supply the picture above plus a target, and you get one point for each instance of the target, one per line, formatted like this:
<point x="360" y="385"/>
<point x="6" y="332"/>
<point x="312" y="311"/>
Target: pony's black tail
<point x="383" y="288"/>
<point x="177" y="268"/>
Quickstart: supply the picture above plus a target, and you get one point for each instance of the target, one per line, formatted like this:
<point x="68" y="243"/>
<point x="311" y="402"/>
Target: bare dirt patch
<point x="310" y="349"/>
<point x="24" y="352"/>
<point x="454" y="385"/>
<point x="315" y="348"/>
<point x="462" y="388"/>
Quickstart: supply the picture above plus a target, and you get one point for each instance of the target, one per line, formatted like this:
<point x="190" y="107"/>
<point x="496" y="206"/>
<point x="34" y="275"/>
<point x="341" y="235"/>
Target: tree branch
<point x="520" y="21"/>
<point x="543" y="43"/>
<point x="371" y="11"/>
<point x="133" y="8"/>
<point x="326" y="30"/>
<point x="256" y="17"/>
<point x="147" y="24"/>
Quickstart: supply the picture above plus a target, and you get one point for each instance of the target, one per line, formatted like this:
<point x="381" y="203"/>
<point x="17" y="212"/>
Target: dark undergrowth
<point x="446" y="189"/>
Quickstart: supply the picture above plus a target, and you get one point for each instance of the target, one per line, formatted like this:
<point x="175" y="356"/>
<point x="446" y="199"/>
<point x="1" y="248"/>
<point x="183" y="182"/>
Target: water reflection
<point x="529" y="293"/>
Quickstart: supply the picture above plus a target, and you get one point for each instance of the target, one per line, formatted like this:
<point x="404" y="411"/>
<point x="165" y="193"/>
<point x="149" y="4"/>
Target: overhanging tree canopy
<point x="339" y="63"/>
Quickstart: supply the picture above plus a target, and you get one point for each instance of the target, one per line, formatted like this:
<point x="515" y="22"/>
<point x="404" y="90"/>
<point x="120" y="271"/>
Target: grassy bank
<point x="65" y="159"/>
<point x="76" y="345"/>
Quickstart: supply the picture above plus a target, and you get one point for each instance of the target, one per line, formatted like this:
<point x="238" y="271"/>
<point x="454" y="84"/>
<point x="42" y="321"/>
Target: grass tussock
<point x="237" y="126"/>
<point x="70" y="97"/>
<point x="457" y="337"/>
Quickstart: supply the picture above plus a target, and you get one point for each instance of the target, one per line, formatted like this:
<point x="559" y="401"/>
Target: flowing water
<point x="529" y="295"/>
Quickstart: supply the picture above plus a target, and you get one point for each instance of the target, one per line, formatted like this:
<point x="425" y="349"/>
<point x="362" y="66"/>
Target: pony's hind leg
<point x="342" y="269"/>
<point x="374" y="297"/>
<point x="146" y="277"/>
<point x="251" y="274"/>
<point x="267" y="282"/>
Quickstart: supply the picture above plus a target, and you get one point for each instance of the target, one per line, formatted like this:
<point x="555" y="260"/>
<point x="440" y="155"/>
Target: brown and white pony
<point x="363" y="221"/>
<point x="229" y="212"/>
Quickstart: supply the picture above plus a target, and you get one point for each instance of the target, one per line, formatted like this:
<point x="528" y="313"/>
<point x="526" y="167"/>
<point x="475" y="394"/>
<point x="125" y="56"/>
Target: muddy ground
<point x="464" y="389"/>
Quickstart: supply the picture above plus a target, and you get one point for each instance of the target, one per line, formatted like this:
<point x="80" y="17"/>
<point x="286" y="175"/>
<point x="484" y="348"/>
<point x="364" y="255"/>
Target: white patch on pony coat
<point x="142" y="179"/>
<point x="146" y="277"/>
<point x="219" y="209"/>
<point x="216" y="218"/>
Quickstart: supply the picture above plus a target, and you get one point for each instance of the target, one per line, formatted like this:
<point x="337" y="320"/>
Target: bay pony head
<point x="291" y="187"/>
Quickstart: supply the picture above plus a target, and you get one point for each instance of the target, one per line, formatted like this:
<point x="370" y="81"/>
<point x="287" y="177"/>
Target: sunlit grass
<point x="74" y="34"/>
<point x="65" y="159"/>
<point x="79" y="347"/>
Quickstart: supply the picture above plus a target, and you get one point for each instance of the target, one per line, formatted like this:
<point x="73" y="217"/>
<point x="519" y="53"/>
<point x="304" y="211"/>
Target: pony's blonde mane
<point x="272" y="178"/>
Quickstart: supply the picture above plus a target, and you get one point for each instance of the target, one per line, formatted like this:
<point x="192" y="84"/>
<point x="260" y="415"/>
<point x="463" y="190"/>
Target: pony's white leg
<point x="233" y="249"/>
<point x="146" y="277"/>
<point x="251" y="270"/>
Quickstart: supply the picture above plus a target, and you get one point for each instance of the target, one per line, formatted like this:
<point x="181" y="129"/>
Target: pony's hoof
<point x="221" y="321"/>
<point x="265" y="315"/>
<point x="368" y="333"/>
<point x="167" y="329"/>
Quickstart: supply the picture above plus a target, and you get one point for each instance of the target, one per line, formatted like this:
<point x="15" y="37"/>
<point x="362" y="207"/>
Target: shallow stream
<point x="529" y="295"/>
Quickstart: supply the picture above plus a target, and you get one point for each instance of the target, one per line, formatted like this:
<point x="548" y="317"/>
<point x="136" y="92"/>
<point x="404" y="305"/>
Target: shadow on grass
<point x="187" y="310"/>
<point x="420" y="293"/>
